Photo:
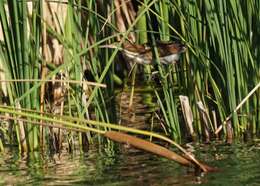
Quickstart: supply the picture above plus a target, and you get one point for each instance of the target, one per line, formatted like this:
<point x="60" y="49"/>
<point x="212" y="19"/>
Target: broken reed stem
<point x="147" y="146"/>
<point x="238" y="107"/>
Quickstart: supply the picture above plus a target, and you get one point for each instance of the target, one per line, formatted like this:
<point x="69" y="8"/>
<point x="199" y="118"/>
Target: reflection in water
<point x="239" y="163"/>
<point x="139" y="115"/>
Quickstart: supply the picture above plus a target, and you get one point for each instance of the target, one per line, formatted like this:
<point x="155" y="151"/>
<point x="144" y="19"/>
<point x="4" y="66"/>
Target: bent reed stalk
<point x="57" y="81"/>
<point x="64" y="124"/>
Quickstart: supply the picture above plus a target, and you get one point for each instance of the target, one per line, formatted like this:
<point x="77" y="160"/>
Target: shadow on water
<point x="239" y="162"/>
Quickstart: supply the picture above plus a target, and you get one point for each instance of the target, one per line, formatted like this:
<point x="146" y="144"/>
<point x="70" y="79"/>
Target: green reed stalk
<point x="221" y="35"/>
<point x="17" y="51"/>
<point x="141" y="26"/>
<point x="220" y="58"/>
<point x="234" y="53"/>
<point x="196" y="67"/>
<point x="168" y="77"/>
<point x="219" y="68"/>
<point x="36" y="37"/>
<point x="23" y="54"/>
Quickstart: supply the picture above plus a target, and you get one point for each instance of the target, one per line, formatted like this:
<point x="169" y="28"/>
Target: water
<point x="239" y="163"/>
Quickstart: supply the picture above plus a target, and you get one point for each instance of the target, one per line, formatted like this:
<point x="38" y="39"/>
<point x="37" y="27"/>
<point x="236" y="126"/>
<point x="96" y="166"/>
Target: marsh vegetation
<point x="60" y="85"/>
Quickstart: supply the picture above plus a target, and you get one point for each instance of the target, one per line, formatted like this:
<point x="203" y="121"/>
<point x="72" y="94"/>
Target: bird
<point x="169" y="52"/>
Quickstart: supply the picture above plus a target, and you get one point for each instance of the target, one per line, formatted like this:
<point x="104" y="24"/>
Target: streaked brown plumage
<point x="169" y="52"/>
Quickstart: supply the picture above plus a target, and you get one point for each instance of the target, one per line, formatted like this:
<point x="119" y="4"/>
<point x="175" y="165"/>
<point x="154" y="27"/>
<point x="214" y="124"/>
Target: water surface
<point x="239" y="165"/>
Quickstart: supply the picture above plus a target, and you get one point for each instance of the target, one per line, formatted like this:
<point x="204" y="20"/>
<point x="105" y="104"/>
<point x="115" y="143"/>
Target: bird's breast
<point x="169" y="58"/>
